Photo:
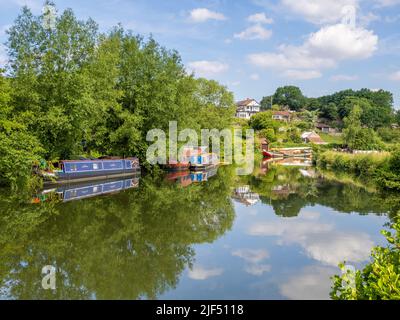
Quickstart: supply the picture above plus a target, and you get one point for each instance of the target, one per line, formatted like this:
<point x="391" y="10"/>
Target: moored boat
<point x="88" y="170"/>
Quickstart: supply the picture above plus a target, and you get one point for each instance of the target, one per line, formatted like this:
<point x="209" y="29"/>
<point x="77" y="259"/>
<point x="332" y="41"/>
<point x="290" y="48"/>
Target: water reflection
<point x="277" y="234"/>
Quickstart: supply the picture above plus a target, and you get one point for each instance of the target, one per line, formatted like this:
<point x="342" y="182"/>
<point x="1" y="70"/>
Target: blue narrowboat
<point x="79" y="191"/>
<point x="87" y="170"/>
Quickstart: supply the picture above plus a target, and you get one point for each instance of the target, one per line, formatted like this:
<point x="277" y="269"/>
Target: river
<point x="277" y="234"/>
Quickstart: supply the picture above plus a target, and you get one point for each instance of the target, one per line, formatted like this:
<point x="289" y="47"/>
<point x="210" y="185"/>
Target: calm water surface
<point x="278" y="234"/>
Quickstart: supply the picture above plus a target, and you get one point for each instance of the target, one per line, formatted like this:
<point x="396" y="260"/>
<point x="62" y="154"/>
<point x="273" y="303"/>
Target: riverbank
<point x="382" y="168"/>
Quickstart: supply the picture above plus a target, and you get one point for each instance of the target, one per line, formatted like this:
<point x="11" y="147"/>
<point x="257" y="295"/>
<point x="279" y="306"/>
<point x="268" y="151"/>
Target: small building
<point x="281" y="115"/>
<point x="247" y="108"/>
<point x="312" y="137"/>
<point x="325" y="128"/>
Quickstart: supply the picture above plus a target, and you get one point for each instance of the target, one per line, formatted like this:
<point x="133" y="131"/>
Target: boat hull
<point x="62" y="178"/>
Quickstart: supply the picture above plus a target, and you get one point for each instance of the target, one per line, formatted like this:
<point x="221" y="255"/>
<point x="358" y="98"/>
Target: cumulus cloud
<point x="344" y="77"/>
<point x="312" y="283"/>
<point x="201" y="273"/>
<point x="302" y="74"/>
<point x="395" y="76"/>
<point x="256" y="32"/>
<point x="260" y="18"/>
<point x="321" y="50"/>
<point x="320" y="241"/>
<point x="320" y="11"/>
<point x="202" y="15"/>
<point x="258" y="269"/>
<point x="253" y="260"/>
<point x="250" y="255"/>
<point x="341" y="42"/>
<point x="205" y="68"/>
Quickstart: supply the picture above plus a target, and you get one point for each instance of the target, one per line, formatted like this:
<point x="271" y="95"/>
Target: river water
<point x="277" y="234"/>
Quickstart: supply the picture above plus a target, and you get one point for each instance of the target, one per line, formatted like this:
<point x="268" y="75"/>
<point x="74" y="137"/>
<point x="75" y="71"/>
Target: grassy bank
<point x="381" y="168"/>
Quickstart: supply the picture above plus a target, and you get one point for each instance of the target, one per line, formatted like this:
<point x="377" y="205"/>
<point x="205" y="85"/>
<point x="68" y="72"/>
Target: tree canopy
<point x="73" y="90"/>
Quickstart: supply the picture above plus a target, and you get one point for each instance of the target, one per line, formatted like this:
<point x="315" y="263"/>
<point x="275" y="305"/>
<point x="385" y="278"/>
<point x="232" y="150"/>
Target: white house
<point x="247" y="108"/>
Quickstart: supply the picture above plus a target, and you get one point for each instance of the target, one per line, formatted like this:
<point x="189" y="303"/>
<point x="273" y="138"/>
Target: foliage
<point x="382" y="168"/>
<point x="379" y="280"/>
<point x="76" y="91"/>
<point x="18" y="149"/>
<point x="389" y="135"/>
<point x="290" y="96"/>
<point x="266" y="103"/>
<point x="263" y="120"/>
<point x="145" y="236"/>
<point x="358" y="138"/>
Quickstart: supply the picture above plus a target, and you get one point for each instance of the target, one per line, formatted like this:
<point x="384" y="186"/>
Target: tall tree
<point x="290" y="96"/>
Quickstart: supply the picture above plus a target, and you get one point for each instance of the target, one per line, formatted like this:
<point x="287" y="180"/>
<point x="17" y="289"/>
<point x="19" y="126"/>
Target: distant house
<point x="281" y="115"/>
<point x="325" y="128"/>
<point x="247" y="108"/>
<point x="312" y="137"/>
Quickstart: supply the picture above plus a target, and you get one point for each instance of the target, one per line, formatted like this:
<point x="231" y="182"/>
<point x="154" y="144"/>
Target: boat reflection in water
<point x="71" y="192"/>
<point x="186" y="178"/>
<point x="292" y="162"/>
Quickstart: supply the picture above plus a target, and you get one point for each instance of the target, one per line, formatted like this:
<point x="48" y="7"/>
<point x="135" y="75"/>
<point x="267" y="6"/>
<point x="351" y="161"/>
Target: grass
<point x="359" y="164"/>
<point x="331" y="138"/>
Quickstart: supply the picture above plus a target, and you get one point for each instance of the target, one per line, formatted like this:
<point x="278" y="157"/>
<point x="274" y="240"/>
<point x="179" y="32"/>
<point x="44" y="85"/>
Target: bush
<point x="379" y="280"/>
<point x="269" y="134"/>
<point x="18" y="152"/>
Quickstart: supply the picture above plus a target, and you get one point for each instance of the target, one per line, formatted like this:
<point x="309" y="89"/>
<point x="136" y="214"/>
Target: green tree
<point x="329" y="111"/>
<point x="267" y="103"/>
<point x="290" y="96"/>
<point x="18" y="149"/>
<point x="356" y="137"/>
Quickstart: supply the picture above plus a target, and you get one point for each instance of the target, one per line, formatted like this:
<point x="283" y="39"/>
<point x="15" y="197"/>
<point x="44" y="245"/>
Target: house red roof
<point x="315" y="138"/>
<point x="281" y="113"/>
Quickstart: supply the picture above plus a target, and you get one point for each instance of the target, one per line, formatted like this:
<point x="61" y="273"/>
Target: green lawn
<point x="330" y="138"/>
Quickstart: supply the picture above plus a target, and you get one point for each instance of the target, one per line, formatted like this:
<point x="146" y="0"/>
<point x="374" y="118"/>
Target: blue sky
<point x="254" y="46"/>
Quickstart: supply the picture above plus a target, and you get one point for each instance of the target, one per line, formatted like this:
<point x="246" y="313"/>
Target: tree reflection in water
<point x="137" y="243"/>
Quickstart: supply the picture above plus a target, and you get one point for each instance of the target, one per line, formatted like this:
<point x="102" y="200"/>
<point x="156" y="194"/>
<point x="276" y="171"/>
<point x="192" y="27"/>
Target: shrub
<point x="379" y="280"/>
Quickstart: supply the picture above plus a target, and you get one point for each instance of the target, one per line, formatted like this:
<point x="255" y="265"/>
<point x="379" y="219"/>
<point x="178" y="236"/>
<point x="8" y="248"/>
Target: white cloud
<point x="290" y="57"/>
<point x="302" y="74"/>
<point x="322" y="49"/>
<point x="203" y="14"/>
<point x="201" y="273"/>
<point x="341" y="42"/>
<point x="258" y="269"/>
<point x="250" y="255"/>
<point x="320" y="11"/>
<point x="253" y="258"/>
<point x="312" y="283"/>
<point x="256" y="32"/>
<point x="320" y="241"/>
<point x="206" y="68"/>
<point x="255" y="77"/>
<point x="395" y="76"/>
<point x="260" y="18"/>
<point x="344" y="77"/>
